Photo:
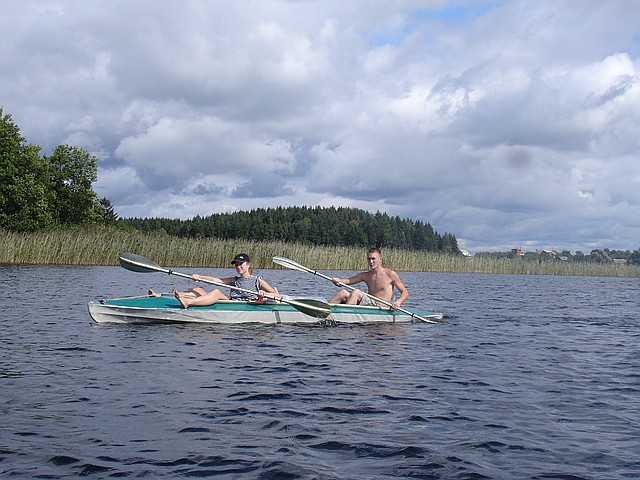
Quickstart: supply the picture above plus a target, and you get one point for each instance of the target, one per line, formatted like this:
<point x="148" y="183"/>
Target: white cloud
<point x="508" y="123"/>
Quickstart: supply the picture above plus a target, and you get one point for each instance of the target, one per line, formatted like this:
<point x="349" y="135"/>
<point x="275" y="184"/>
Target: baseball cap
<point x="240" y="258"/>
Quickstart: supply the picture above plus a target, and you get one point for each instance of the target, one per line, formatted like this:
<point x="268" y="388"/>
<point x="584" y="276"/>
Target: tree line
<point x="42" y="191"/>
<point x="327" y="226"/>
<point x="603" y="256"/>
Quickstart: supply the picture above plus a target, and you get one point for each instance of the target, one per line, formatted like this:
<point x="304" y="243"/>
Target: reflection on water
<point x="533" y="377"/>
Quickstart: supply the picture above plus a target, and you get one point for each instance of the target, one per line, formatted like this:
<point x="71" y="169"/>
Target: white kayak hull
<point x="166" y="309"/>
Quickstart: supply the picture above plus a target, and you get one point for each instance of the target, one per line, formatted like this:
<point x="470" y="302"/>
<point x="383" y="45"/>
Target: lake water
<point x="532" y="377"/>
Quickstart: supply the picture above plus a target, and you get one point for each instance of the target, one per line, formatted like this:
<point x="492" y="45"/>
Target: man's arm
<point x="404" y="294"/>
<point x="348" y="281"/>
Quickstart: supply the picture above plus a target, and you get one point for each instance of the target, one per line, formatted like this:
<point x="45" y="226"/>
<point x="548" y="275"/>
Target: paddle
<point x="312" y="307"/>
<point x="285" y="262"/>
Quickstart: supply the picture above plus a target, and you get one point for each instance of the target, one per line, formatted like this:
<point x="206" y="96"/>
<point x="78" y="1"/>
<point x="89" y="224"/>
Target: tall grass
<point x="103" y="246"/>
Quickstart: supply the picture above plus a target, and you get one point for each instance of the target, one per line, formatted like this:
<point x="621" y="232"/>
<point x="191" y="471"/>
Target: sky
<point x="506" y="123"/>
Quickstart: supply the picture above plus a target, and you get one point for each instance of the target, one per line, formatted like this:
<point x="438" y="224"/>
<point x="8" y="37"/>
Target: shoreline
<point x="102" y="246"/>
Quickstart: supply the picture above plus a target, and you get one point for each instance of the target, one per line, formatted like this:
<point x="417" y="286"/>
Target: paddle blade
<point x="435" y="318"/>
<point x="137" y="263"/>
<point x="311" y="307"/>
<point x="285" y="262"/>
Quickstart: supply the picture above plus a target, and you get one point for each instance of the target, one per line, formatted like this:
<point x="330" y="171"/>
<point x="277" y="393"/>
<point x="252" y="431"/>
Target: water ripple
<point x="533" y="377"/>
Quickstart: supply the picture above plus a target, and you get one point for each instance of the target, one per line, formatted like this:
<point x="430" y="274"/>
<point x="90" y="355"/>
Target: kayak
<point x="166" y="309"/>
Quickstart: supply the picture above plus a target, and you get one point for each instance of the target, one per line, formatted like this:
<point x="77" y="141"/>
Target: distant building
<point x="516" y="251"/>
<point x="465" y="253"/>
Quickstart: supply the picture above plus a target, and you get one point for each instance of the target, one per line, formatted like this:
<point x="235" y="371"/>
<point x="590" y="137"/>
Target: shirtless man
<point x="380" y="282"/>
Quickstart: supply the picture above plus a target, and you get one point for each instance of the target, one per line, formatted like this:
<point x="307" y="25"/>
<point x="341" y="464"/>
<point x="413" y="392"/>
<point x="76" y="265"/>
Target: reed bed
<point x="103" y="246"/>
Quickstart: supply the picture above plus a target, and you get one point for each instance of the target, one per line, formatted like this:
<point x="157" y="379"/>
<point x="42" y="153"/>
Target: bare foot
<point x="188" y="294"/>
<point x="151" y="293"/>
<point x="183" y="301"/>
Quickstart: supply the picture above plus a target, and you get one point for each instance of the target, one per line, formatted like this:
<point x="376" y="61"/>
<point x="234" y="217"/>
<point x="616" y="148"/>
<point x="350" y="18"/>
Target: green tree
<point x="25" y="197"/>
<point x="600" y="256"/>
<point x="109" y="215"/>
<point x="39" y="192"/>
<point x="448" y="244"/>
<point x="73" y="172"/>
